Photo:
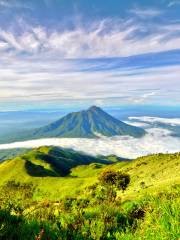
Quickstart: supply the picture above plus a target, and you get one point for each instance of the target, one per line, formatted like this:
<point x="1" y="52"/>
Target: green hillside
<point x="44" y="164"/>
<point x="60" y="193"/>
<point x="47" y="166"/>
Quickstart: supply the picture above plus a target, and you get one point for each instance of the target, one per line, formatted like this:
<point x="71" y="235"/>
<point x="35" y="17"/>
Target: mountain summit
<point x="87" y="124"/>
<point x="90" y="123"/>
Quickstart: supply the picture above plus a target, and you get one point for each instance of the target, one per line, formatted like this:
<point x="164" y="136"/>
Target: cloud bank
<point x="155" y="141"/>
<point x="146" y="119"/>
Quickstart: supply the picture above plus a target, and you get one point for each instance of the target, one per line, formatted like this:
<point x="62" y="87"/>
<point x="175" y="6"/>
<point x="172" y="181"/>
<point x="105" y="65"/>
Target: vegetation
<point x="111" y="178"/>
<point x="125" y="200"/>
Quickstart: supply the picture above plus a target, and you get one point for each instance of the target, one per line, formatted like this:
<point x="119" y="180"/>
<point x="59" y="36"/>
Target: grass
<point x="148" y="174"/>
<point x="161" y="219"/>
<point x="70" y="206"/>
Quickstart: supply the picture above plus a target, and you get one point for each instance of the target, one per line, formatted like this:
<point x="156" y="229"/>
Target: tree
<point x="114" y="180"/>
<point x="122" y="181"/>
<point x="108" y="177"/>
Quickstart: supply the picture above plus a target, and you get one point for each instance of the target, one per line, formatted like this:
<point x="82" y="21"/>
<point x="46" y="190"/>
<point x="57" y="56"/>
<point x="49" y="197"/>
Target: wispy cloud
<point x="146" y="12"/>
<point x="93" y="63"/>
<point x="173" y="3"/>
<point x="142" y="98"/>
<point x="155" y="141"/>
<point x="168" y="121"/>
<point x="14" y="4"/>
<point x="65" y="80"/>
<point x="107" y="38"/>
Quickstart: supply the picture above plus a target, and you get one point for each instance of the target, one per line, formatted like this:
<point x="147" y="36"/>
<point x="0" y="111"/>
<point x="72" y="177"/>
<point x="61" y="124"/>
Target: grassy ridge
<point x="46" y="167"/>
<point x="148" y="173"/>
<point x="77" y="206"/>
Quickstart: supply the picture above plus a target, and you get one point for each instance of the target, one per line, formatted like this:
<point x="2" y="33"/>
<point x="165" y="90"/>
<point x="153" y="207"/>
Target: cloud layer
<point x="76" y="81"/>
<point x="106" y="38"/>
<point x="155" y="141"/>
<point x="168" y="121"/>
<point x="129" y="58"/>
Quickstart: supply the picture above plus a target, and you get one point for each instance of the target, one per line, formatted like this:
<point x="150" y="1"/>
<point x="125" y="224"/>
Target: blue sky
<point x="83" y="52"/>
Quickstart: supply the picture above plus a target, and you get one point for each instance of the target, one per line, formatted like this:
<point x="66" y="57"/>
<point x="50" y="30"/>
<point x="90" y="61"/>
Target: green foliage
<point x="112" y="178"/>
<point x="48" y="162"/>
<point x="77" y="218"/>
<point x="148" y="209"/>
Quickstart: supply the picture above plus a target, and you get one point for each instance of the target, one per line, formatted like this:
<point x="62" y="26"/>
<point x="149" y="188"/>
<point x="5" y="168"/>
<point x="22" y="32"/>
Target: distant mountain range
<point x="89" y="123"/>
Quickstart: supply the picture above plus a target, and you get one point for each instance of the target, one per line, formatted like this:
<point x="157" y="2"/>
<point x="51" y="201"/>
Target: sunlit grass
<point x="148" y="209"/>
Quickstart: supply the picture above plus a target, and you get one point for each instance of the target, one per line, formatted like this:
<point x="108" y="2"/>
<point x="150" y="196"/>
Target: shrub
<point x="115" y="178"/>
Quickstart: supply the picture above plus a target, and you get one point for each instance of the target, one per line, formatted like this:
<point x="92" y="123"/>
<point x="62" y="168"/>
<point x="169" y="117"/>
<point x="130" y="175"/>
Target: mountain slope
<point x="58" y="173"/>
<point x="88" y="123"/>
<point x="84" y="124"/>
<point x="45" y="162"/>
<point x="149" y="207"/>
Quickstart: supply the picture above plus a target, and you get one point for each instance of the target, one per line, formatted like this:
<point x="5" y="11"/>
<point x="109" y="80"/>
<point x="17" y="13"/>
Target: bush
<point x="115" y="178"/>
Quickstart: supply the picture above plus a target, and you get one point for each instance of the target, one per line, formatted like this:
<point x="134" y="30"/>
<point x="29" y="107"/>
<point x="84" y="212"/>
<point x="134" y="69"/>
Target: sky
<point x="61" y="53"/>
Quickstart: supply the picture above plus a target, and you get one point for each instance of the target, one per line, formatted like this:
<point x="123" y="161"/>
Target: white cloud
<point x="34" y="64"/>
<point x="155" y="141"/>
<point x="146" y="12"/>
<point x="143" y="97"/>
<point x="137" y="124"/>
<point x="3" y="46"/>
<point x="146" y="119"/>
<point x="14" y="4"/>
<point x="37" y="80"/>
<point x="173" y="3"/>
<point x="107" y="38"/>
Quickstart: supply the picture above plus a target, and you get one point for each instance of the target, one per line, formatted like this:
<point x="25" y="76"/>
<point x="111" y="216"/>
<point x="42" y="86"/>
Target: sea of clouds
<point x="157" y="140"/>
<point x="151" y="120"/>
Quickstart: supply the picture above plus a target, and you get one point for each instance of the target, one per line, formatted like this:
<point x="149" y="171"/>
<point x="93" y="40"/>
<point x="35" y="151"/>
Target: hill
<point x="38" y="201"/>
<point x="51" y="167"/>
<point x="44" y="162"/>
<point x="88" y="123"/>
